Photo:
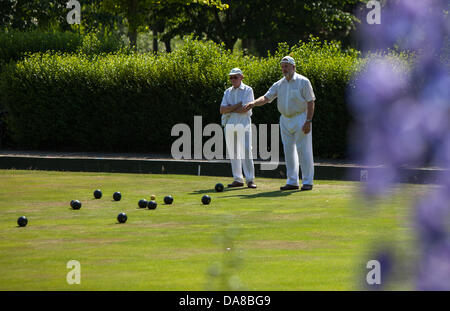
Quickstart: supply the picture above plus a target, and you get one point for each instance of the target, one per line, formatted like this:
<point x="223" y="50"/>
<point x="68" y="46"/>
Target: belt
<point x="293" y="115"/>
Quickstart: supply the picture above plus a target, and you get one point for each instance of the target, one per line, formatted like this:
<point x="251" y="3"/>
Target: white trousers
<point x="238" y="137"/>
<point x="297" y="146"/>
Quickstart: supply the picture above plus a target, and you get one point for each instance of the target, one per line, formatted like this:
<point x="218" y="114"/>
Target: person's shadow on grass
<point x="268" y="194"/>
<point x="203" y="191"/>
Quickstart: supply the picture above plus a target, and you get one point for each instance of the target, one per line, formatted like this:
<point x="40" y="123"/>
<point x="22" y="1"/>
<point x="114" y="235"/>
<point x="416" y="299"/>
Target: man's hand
<point x="248" y="106"/>
<point x="306" y="127"/>
<point x="258" y="102"/>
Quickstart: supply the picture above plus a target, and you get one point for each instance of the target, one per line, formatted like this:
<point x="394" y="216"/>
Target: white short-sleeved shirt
<point x="292" y="95"/>
<point x="232" y="96"/>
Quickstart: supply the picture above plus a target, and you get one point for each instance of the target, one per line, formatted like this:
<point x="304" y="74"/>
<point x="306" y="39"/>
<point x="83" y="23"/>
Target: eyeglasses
<point x="233" y="77"/>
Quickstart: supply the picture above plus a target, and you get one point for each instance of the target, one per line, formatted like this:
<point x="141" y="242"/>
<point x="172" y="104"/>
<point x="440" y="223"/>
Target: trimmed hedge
<point x="129" y="102"/>
<point x="15" y="45"/>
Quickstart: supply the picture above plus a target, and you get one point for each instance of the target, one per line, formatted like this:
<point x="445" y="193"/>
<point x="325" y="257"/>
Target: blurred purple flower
<point x="432" y="215"/>
<point x="403" y="119"/>
<point x="415" y="25"/>
<point x="402" y="112"/>
<point x="434" y="270"/>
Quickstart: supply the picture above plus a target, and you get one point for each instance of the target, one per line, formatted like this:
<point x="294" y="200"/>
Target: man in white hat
<point x="238" y="130"/>
<point x="296" y="106"/>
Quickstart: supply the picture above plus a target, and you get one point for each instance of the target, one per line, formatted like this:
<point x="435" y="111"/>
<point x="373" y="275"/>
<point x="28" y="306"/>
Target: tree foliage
<point x="262" y="24"/>
<point x="259" y="24"/>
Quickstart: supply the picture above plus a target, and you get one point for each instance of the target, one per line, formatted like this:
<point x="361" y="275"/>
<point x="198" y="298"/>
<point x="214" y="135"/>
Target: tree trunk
<point x="132" y="36"/>
<point x="245" y="46"/>
<point x="167" y="44"/>
<point x="155" y="41"/>
<point x="132" y="27"/>
<point x="229" y="43"/>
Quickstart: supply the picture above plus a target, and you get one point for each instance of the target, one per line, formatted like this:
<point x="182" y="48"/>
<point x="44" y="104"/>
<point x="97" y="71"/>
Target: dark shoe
<point x="235" y="184"/>
<point x="251" y="184"/>
<point x="289" y="187"/>
<point x="307" y="187"/>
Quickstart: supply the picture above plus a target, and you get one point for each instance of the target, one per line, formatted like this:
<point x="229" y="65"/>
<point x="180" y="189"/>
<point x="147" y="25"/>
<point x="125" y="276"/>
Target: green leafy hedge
<point x="14" y="44"/>
<point x="129" y="102"/>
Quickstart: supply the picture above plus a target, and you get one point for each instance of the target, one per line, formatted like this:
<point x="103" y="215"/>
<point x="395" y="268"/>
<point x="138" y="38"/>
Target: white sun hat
<point x="235" y="71"/>
<point x="288" y="59"/>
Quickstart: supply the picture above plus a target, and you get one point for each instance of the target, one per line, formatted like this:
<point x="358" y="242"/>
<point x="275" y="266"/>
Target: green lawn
<point x="259" y="239"/>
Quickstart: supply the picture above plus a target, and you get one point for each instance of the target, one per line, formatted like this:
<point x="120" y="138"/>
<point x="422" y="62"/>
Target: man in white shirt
<point x="238" y="130"/>
<point x="296" y="106"/>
